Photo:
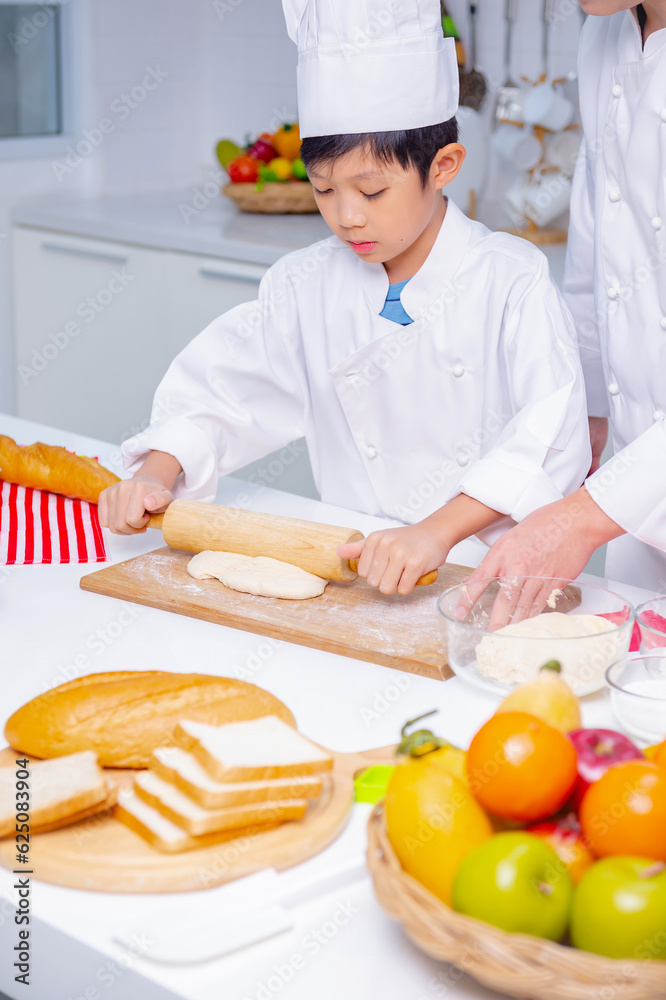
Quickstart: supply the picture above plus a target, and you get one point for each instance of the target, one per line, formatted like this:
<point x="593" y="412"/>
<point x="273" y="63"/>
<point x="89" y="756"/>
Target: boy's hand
<point x="393" y="560"/>
<point x="126" y="507"/>
<point x="598" y="439"/>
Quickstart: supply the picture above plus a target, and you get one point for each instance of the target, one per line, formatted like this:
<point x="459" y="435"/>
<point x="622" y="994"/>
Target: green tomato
<point x="298" y="170"/>
<point x="227" y="151"/>
<point x="619" y="909"/>
<point x="515" y="881"/>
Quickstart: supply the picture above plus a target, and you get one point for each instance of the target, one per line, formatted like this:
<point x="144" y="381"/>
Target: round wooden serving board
<point x="100" y="853"/>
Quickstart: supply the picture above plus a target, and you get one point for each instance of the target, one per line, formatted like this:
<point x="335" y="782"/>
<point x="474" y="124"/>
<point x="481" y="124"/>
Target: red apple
<point x="597" y="750"/>
<point x="262" y="150"/>
<point x="565" y="837"/>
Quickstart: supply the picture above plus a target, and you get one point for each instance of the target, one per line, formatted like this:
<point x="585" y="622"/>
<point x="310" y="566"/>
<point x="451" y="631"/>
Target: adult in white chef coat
<point x="615" y="285"/>
<point x="455" y="406"/>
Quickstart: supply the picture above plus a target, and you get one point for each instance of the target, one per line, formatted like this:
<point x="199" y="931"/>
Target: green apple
<point x="619" y="908"/>
<point x="515" y="881"/>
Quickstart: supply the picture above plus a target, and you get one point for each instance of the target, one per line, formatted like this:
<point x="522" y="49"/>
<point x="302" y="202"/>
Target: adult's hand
<point x="598" y="439"/>
<point x="555" y="541"/>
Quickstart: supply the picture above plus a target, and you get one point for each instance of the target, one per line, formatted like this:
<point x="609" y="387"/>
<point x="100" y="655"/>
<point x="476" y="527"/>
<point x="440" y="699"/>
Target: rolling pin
<point x="195" y="527"/>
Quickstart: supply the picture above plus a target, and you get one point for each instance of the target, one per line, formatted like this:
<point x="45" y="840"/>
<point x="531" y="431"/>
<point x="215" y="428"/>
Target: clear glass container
<point x="638" y="695"/>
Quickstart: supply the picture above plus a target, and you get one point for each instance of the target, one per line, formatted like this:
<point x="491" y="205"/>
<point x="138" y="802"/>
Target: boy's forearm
<point x="161" y="467"/>
<point x="461" y="517"/>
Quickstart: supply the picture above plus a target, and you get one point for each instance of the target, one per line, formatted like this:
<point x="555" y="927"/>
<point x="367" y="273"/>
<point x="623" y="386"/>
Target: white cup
<point x="548" y="198"/>
<point x="547" y="107"/>
<point x="562" y="150"/>
<point x="518" y="145"/>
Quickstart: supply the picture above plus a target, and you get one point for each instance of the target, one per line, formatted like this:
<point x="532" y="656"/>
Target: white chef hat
<point x="371" y="65"/>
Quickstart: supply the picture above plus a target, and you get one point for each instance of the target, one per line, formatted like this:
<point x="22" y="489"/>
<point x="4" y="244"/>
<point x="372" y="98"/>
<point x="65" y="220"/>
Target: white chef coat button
<point x="663" y="114"/>
<point x="458" y="370"/>
<point x="614" y="389"/>
<point x="462" y="459"/>
<point x="371" y="451"/>
<point x="350" y="376"/>
<point x="658" y="415"/>
<point x="617" y="90"/>
<point x="656" y="222"/>
<point x="614" y="194"/>
<point x="612" y="293"/>
<point x="662" y="322"/>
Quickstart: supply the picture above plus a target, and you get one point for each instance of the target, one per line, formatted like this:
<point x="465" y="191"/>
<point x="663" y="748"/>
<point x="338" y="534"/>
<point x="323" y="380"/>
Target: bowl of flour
<point x="503" y="637"/>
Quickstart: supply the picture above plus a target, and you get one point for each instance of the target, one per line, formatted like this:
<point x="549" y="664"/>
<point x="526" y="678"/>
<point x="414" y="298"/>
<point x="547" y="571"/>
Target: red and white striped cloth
<point x="39" y="527"/>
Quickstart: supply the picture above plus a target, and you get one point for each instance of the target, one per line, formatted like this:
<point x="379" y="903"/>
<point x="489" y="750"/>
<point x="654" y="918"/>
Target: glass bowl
<point x="638" y="695"/>
<point x="498" y="662"/>
<point x="651" y="617"/>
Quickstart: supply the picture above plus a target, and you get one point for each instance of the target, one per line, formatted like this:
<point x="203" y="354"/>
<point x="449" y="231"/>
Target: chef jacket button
<point x="614" y="194"/>
<point x="462" y="459"/>
<point x="658" y="415"/>
<point x="663" y="114"/>
<point x="662" y="322"/>
<point x="458" y="370"/>
<point x="612" y="293"/>
<point x="614" y="389"/>
<point x="617" y="90"/>
<point x="350" y="375"/>
<point x="371" y="451"/>
<point x="656" y="222"/>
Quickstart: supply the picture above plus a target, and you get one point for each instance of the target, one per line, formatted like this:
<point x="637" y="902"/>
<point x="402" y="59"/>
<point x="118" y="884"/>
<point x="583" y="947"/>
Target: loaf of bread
<point x="123" y="716"/>
<point x="49" y="467"/>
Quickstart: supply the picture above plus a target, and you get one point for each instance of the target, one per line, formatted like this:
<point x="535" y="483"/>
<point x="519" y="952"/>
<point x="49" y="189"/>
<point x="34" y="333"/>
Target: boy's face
<point x="603" y="7"/>
<point x="377" y="209"/>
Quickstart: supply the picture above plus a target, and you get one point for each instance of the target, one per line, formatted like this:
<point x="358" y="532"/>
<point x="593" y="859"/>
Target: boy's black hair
<point x="413" y="147"/>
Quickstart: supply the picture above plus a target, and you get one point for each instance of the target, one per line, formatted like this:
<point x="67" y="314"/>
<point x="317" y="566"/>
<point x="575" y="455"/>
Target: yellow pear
<point x="549" y="697"/>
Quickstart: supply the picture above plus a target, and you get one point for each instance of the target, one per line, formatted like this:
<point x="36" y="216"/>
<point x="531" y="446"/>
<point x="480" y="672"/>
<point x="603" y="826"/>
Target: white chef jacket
<point x="482" y="393"/>
<point x="615" y="281"/>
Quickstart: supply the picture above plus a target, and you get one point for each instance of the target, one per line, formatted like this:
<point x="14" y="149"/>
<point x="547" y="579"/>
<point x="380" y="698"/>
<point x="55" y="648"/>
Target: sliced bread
<point x="183" y="770"/>
<point x="61" y="791"/>
<point x="170" y="802"/>
<point x="251" y="751"/>
<point x="160" y="832"/>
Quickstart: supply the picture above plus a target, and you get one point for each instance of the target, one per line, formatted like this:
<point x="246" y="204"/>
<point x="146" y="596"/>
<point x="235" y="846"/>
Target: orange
<point x="521" y="768"/>
<point x="658" y="754"/>
<point x="624" y="812"/>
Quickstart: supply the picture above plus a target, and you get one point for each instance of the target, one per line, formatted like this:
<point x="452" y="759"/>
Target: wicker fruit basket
<point x="516" y="964"/>
<point x="275" y="198"/>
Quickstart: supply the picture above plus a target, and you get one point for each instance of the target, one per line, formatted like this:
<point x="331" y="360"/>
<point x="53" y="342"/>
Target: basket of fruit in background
<point x="536" y="860"/>
<point x="268" y="175"/>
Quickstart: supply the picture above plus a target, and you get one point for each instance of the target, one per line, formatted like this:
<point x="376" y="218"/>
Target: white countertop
<point x="47" y="621"/>
<point x="171" y="222"/>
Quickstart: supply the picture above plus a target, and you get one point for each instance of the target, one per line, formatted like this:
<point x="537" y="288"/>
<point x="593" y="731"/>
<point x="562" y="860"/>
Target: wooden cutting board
<point x="100" y="853"/>
<point x="349" y="618"/>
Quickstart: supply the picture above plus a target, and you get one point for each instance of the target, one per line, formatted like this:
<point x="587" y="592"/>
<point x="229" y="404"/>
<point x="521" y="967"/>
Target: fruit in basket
<point x="619" y="909"/>
<point x="597" y="750"/>
<point x="226" y="151"/>
<point x="517" y="882"/>
<point x="549" y="697"/>
<point x="624" y="812"/>
<point x="566" y="838"/>
<point x="287" y="140"/>
<point x="281" y="168"/>
<point x="298" y="170"/>
<point x="432" y="820"/>
<point x="243" y="170"/>
<point x="263" y="148"/>
<point x="520" y="768"/>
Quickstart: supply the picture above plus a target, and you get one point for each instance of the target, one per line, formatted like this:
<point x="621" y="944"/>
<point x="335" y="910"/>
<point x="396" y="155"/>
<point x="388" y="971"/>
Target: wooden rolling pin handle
<point x="155" y="521"/>
<point x="423" y="581"/>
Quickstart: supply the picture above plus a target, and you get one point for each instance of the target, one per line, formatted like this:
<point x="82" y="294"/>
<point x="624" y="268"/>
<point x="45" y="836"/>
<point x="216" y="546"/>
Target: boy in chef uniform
<point x="615" y="285"/>
<point x="430" y="364"/>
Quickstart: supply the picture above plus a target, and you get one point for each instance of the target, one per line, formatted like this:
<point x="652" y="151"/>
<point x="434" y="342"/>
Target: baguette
<point x="125" y="715"/>
<point x="60" y="792"/>
<point x="184" y="771"/>
<point x="160" y="832"/>
<point x="251" y="751"/>
<point x="50" y="467"/>
<point x="191" y="817"/>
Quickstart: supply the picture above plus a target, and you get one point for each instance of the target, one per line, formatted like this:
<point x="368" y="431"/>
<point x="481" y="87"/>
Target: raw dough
<point x="256" y="575"/>
<point x="584" y="660"/>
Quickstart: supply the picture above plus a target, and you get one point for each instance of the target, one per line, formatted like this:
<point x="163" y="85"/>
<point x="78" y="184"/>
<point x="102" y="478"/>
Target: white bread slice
<point x="170" y="802"/>
<point x="60" y="789"/>
<point x="183" y="770"/>
<point x="161" y="833"/>
<point x="251" y="751"/>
